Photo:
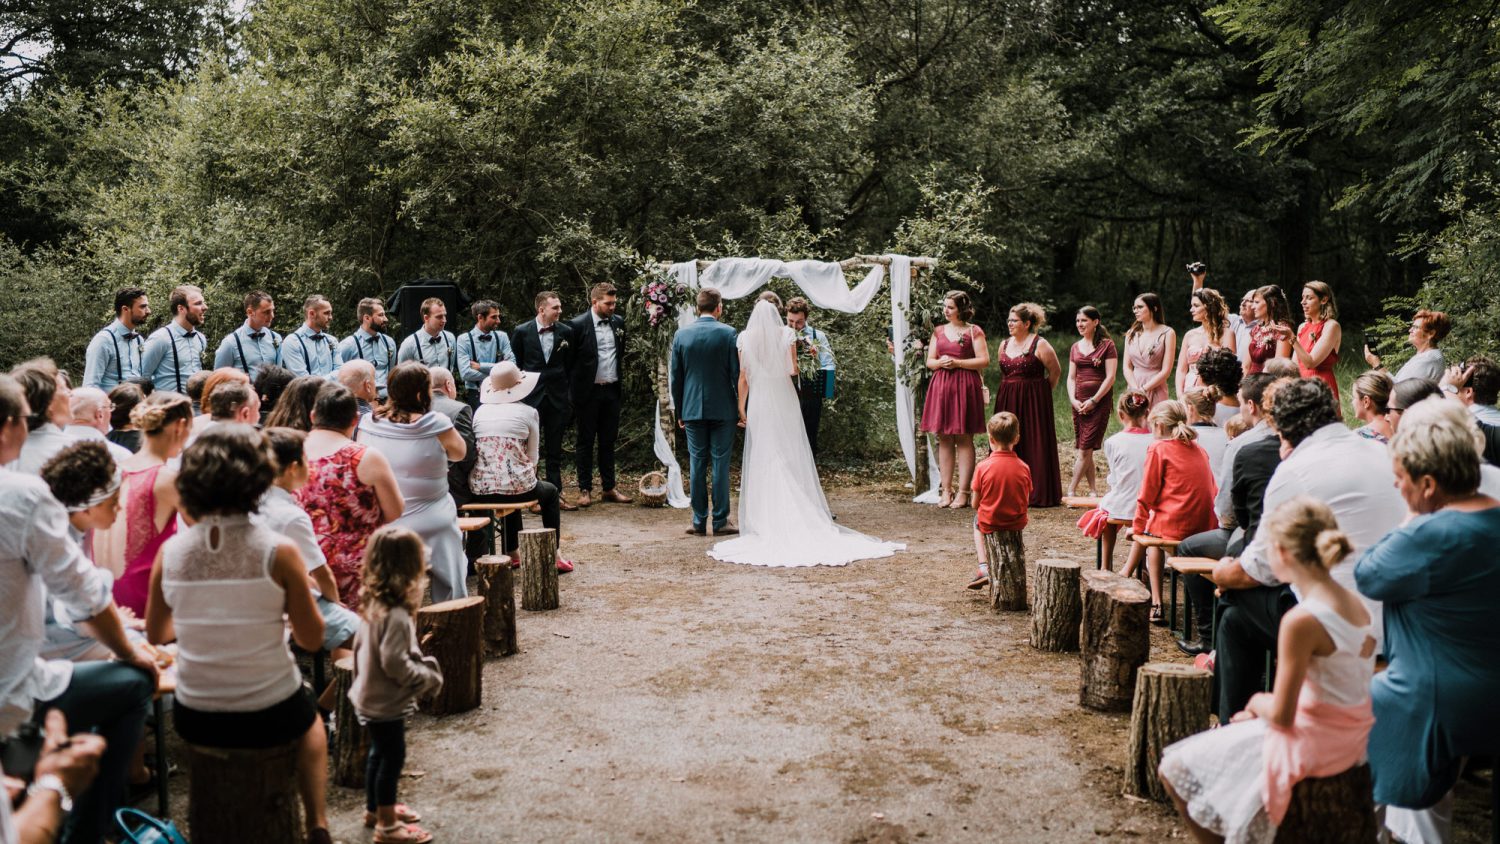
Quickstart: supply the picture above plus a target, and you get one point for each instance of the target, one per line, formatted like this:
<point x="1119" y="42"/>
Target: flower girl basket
<point x="653" y="490"/>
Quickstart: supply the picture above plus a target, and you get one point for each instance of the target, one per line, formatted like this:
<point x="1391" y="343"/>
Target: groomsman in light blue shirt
<point x="175" y="351"/>
<point x="114" y="355"/>
<point x="810" y="391"/>
<point x="370" y="343"/>
<point x="481" y="348"/>
<point x="311" y="350"/>
<point x="253" y="345"/>
<point x="430" y="344"/>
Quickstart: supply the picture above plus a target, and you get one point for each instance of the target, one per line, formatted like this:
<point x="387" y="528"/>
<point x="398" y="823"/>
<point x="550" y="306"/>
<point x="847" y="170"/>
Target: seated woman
<point x="1235" y="783"/>
<point x="225" y="589"/>
<point x="83" y="478"/>
<point x="1211" y="438"/>
<point x="1125" y="454"/>
<point x="1177" y="492"/>
<point x="507" y="439"/>
<point x="1439" y="578"/>
<point x="1221" y="370"/>
<point x="1372" y="392"/>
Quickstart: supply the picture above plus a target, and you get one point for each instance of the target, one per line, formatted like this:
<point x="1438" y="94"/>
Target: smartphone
<point x="18" y="754"/>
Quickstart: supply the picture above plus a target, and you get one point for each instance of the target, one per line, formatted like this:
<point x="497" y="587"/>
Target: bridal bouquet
<point x="808" y="363"/>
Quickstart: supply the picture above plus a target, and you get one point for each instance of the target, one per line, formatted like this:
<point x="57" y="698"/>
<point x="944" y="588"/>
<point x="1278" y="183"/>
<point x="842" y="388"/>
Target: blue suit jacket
<point x="706" y="372"/>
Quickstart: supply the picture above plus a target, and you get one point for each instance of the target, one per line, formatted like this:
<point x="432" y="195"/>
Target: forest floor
<point x="676" y="698"/>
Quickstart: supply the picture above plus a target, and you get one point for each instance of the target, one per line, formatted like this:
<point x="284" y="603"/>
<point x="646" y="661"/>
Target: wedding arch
<point x="824" y="285"/>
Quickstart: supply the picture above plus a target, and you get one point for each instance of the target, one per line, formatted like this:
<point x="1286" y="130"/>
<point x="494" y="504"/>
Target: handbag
<point x="147" y="830"/>
<point x="984" y="389"/>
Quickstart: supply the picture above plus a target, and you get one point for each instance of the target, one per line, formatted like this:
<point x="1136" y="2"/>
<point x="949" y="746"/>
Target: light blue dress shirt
<point x="113" y="355"/>
<point x="308" y="352"/>
<point x="378" y="349"/>
<point x="434" y="350"/>
<point x="172" y="355"/>
<point x="488" y="349"/>
<point x="248" y="350"/>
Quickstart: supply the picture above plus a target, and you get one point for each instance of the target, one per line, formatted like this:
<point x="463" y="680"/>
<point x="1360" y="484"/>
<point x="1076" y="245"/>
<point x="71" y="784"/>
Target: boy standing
<point x="1002" y="488"/>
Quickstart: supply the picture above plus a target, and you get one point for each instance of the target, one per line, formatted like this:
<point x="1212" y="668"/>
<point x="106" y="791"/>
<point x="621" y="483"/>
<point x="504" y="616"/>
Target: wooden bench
<point x="494" y="515"/>
<point x="1189" y="565"/>
<point x="1091" y="502"/>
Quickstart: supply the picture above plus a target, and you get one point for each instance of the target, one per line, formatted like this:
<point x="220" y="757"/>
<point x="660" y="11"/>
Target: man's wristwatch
<point x="51" y="782"/>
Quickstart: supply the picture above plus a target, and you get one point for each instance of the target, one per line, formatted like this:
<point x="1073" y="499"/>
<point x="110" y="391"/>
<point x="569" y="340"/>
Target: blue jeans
<point x="710" y="440"/>
<point x="112" y="700"/>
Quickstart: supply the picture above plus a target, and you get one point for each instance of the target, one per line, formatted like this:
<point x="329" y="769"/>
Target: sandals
<point x="401" y="833"/>
<point x="944" y="499"/>
<point x="404" y="814"/>
<point x="1157" y="617"/>
<point x="960" y="502"/>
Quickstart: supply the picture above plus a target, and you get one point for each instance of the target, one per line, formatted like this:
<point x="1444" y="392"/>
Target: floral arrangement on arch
<point x="661" y="295"/>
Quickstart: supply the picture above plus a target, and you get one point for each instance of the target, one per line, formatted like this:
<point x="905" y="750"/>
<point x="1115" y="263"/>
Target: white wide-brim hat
<point x="507" y="383"/>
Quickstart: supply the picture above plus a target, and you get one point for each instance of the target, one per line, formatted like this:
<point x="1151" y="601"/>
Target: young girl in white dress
<point x="1234" y="783"/>
<point x="1125" y="454"/>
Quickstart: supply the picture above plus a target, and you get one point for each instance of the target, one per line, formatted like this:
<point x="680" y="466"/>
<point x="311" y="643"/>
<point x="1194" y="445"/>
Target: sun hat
<point x="507" y="383"/>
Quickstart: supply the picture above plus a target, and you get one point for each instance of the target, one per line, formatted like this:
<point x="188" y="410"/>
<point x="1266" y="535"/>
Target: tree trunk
<point x="1115" y="639"/>
<point x="247" y="796"/>
<point x="1007" y="565"/>
<point x="1331" y="810"/>
<point x="1171" y="703"/>
<point x="497" y="583"/>
<point x="539" y="569"/>
<point x="453" y="633"/>
<point x="1057" y="608"/>
<point x="350" y="746"/>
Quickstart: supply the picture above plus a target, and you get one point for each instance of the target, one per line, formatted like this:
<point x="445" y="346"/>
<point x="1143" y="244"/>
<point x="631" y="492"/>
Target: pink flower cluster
<point x="661" y="298"/>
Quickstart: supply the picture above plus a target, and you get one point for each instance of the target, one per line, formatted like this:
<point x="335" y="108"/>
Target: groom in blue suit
<point x="705" y="378"/>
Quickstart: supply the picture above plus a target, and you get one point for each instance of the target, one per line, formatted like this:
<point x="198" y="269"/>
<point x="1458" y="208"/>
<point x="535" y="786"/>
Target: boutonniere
<point x="562" y="344"/>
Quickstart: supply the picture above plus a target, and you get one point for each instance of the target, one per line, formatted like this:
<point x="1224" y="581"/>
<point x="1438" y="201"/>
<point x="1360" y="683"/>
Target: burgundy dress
<point x="955" y="397"/>
<point x="1026" y="393"/>
<point x="1088" y="374"/>
<point x="1263" y="342"/>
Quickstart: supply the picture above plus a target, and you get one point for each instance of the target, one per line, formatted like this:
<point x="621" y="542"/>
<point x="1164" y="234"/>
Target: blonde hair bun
<point x="1333" y="546"/>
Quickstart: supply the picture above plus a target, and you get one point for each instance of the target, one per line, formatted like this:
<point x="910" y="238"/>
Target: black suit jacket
<point x="552" y="389"/>
<point x="586" y="352"/>
<point x="1253" y="467"/>
<point x="458" y="470"/>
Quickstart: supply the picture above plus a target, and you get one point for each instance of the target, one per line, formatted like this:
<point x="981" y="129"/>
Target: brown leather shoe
<point x="726" y="530"/>
<point x="583" y="499"/>
<point x="696" y="531"/>
<point x="616" y="497"/>
<point x="564" y="504"/>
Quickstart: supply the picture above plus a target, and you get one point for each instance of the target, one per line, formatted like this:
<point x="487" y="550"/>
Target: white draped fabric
<point x="824" y="285"/>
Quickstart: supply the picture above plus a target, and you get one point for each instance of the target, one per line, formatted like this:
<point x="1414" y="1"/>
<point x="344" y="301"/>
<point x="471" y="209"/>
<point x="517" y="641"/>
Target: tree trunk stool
<point x="1115" y="639"/>
<point x="539" y="569"/>
<point x="1057" y="606"/>
<point x="496" y="513"/>
<point x="166" y="686"/>
<point x="243" y="796"/>
<point x="1171" y="703"/>
<point x="1203" y="566"/>
<point x="453" y="633"/>
<point x="1331" y="810"/>
<point x="1006" y="554"/>
<point x="350" y="745"/>
<point x="497" y="583"/>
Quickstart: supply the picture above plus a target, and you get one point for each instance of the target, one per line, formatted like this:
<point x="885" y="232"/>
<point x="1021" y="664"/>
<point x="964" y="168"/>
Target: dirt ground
<point x="675" y="698"/>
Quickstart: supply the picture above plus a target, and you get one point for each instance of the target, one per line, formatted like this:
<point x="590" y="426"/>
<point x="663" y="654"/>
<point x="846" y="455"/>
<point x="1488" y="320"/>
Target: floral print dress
<point x="344" y="512"/>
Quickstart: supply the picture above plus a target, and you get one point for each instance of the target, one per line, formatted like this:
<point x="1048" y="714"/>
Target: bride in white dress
<point x="784" y="519"/>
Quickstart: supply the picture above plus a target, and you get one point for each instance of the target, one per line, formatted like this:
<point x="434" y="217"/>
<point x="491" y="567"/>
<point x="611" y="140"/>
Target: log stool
<point x="495" y="514"/>
<point x="453" y="633"/>
<point x="1115" y="639"/>
<point x="1202" y="566"/>
<point x="1171" y="703"/>
<point x="350" y="745"/>
<point x="1057" y="607"/>
<point x="1331" y="810"/>
<point x="247" y="796"/>
<point x="539" y="569"/>
<point x="1007" y="566"/>
<point x="497" y="583"/>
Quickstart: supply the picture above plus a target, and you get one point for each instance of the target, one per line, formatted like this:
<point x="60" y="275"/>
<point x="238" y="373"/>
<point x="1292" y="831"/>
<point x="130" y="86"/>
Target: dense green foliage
<point x="1065" y="153"/>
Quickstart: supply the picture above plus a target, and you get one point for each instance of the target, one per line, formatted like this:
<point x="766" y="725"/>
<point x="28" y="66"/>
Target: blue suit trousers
<point x="710" y="441"/>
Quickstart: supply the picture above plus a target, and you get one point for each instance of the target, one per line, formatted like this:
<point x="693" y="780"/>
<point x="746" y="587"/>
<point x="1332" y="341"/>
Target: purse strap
<point x="156" y="831"/>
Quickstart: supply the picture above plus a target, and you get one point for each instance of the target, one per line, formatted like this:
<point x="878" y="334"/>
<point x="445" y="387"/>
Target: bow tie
<point x="435" y="340"/>
<point x="371" y="339"/>
<point x="256" y="335"/>
<point x="485" y="338"/>
<point x="546" y="330"/>
<point x="130" y="335"/>
<point x="601" y="323"/>
<point x="316" y="338"/>
<point x="188" y="335"/>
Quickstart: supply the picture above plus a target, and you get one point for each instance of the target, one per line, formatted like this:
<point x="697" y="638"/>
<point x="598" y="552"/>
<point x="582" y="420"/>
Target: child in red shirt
<point x="1002" y="488"/>
<point x="1177" y="491"/>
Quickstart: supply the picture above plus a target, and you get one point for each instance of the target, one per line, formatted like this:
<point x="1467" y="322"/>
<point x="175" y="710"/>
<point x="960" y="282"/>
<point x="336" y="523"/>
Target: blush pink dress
<point x="1146" y="358"/>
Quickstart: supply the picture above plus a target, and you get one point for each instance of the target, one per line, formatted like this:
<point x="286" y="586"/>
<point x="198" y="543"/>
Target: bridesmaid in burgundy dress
<point x="1030" y="369"/>
<point x="1092" y="362"/>
<point x="954" y="408"/>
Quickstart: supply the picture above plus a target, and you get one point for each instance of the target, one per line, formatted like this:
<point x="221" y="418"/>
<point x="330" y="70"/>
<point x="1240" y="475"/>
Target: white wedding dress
<point x="784" y="518"/>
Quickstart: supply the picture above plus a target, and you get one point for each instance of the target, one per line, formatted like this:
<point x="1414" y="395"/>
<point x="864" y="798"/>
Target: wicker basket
<point x="653" y="490"/>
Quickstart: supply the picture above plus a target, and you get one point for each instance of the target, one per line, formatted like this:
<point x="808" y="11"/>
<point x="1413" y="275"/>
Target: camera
<point x="1197" y="268"/>
<point x="18" y="754"/>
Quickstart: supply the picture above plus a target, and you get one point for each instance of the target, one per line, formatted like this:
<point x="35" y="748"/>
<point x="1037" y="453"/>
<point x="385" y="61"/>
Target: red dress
<point x="1026" y="393"/>
<point x="142" y="540"/>
<point x="1307" y="338"/>
<point x="955" y="397"/>
<point x="1088" y="374"/>
<point x="1263" y="342"/>
<point x="344" y="512"/>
